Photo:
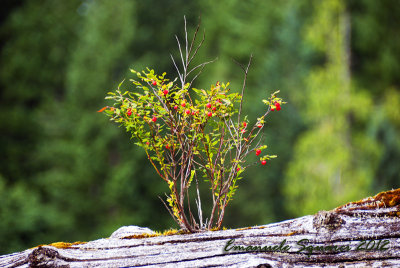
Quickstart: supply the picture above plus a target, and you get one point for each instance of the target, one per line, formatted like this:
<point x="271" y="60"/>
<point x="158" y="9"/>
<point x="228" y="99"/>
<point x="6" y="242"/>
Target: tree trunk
<point x="359" y="234"/>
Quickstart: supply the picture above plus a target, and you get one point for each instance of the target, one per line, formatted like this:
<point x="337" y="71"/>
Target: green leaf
<point x="121" y="83"/>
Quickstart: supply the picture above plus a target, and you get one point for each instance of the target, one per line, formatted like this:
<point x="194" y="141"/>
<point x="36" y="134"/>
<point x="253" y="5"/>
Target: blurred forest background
<point x="68" y="174"/>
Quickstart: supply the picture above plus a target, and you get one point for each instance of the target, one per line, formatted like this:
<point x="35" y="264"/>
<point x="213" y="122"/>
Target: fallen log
<point x="358" y="234"/>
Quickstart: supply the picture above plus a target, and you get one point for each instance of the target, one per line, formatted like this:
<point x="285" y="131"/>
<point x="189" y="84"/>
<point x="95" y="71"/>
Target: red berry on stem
<point x="129" y="112"/>
<point x="243" y="131"/>
<point x="176" y="107"/>
<point x="259" y="126"/>
<point x="238" y="169"/>
<point x="165" y="92"/>
<point x="193" y="113"/>
<point x="154" y="119"/>
<point x="183" y="104"/>
<point x="258" y="152"/>
<point x="263" y="162"/>
<point x="214" y="108"/>
<point x="187" y="111"/>
<point x="208" y="105"/>
<point x="278" y="107"/>
<point x="154" y="83"/>
<point x="244" y="124"/>
<point x="167" y="146"/>
<point x="209" y="114"/>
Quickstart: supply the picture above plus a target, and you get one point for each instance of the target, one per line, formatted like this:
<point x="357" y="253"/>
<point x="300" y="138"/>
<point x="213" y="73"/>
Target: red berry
<point x="263" y="162"/>
<point x="243" y="131"/>
<point x="259" y="126"/>
<point x="165" y="92"/>
<point x="176" y="107"/>
<point x="129" y="112"/>
<point x="148" y="143"/>
<point x="187" y="111"/>
<point x="258" y="152"/>
<point x="193" y="113"/>
<point x="154" y="119"/>
<point x="278" y="107"/>
<point x="238" y="169"/>
<point x="214" y="108"/>
<point x="208" y="105"/>
<point x="167" y="146"/>
<point x="183" y="104"/>
<point x="272" y="109"/>
<point x="154" y="83"/>
<point x="218" y="101"/>
<point x="209" y="114"/>
<point x="244" y="124"/>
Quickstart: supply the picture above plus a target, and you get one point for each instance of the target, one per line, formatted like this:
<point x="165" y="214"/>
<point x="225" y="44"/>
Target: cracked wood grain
<point x="365" y="233"/>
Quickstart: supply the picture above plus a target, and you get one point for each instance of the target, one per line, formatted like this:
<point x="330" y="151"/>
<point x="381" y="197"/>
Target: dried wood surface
<point x="359" y="234"/>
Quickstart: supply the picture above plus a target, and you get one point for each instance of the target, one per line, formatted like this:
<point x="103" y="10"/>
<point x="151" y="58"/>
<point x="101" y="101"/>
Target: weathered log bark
<point x="359" y="234"/>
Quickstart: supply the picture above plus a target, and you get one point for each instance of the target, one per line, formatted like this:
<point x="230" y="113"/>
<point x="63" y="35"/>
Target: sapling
<point x="189" y="133"/>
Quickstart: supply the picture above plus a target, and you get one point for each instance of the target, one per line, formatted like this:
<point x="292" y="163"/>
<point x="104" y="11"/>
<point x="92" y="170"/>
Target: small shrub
<point x="188" y="133"/>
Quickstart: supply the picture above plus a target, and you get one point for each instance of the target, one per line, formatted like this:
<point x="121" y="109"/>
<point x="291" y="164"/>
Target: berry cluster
<point x="263" y="161"/>
<point x="209" y="106"/>
<point x="276" y="106"/>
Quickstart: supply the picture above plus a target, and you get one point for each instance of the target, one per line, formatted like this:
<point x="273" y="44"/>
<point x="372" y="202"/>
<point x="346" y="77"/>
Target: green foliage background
<point x="67" y="174"/>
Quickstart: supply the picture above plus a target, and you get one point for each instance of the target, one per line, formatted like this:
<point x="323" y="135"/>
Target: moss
<point x="245" y="228"/>
<point x="140" y="236"/>
<point x="65" y="244"/>
<point x="62" y="245"/>
<point x="164" y="233"/>
<point x="389" y="198"/>
<point x="217" y="229"/>
<point x="292" y="233"/>
<point x="248" y="228"/>
<point x="382" y="200"/>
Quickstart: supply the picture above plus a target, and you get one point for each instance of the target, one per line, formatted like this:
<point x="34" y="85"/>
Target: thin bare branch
<point x="201" y="65"/>
<point x="180" y="52"/>
<point x="198" y="203"/>
<point x="245" y="70"/>
<point x="201" y="70"/>
<point x="194" y="37"/>
<point x="177" y="69"/>
<point x="197" y="48"/>
<point x="169" y="210"/>
<point x="186" y="40"/>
